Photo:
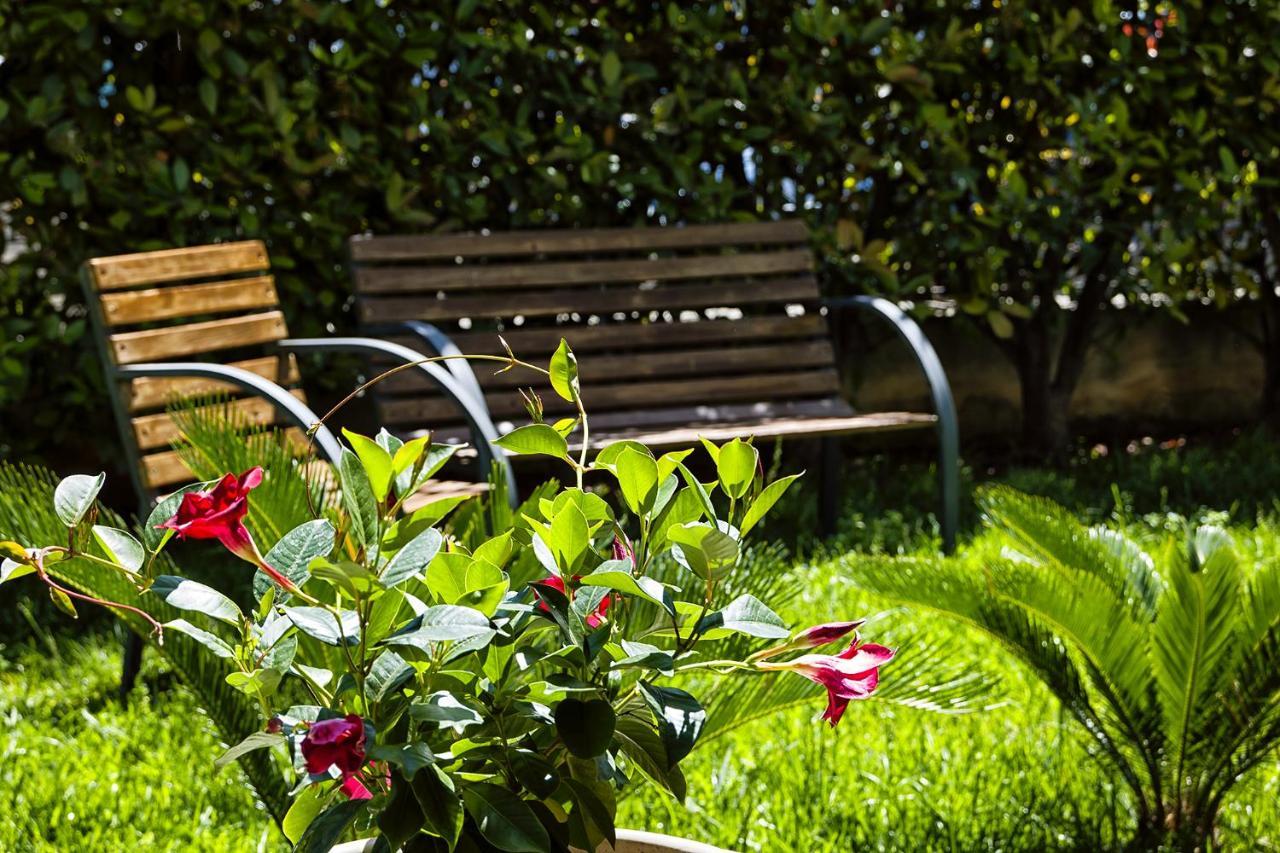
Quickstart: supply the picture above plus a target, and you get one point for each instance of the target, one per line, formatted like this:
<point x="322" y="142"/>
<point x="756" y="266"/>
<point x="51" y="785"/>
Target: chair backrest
<point x="671" y="324"/>
<point x="212" y="303"/>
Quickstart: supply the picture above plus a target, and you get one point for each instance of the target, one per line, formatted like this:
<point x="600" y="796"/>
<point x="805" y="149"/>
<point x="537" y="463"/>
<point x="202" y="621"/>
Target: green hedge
<point x="132" y="126"/>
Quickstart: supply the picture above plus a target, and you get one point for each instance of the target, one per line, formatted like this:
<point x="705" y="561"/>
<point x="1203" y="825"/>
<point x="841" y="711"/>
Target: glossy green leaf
<point x="680" y="719"/>
<point x="535" y="439"/>
<point x="257" y="740"/>
<point x="638" y="478"/>
<point x="294" y="552"/>
<point x="187" y="594"/>
<point x="504" y="819"/>
<point x="585" y="726"/>
<point x="736" y="465"/>
<point x="220" y="647"/>
<point x="564" y="372"/>
<point x="762" y="504"/>
<point x="412" y="559"/>
<point x="746" y="614"/>
<point x="358" y="499"/>
<point x="121" y="547"/>
<point x="376" y="461"/>
<point x="328" y="628"/>
<point x="309" y="803"/>
<point x="75" y="495"/>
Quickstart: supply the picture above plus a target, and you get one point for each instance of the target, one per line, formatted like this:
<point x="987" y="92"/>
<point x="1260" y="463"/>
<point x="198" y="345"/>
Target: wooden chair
<point x="713" y="330"/>
<point x="204" y="320"/>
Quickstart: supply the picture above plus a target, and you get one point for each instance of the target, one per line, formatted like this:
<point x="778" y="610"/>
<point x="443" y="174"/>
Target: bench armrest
<point x="433" y="342"/>
<point x="909" y="331"/>
<point x="474" y="410"/>
<point x="293" y="408"/>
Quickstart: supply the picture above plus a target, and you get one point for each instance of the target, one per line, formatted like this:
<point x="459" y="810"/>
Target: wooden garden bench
<point x="712" y="330"/>
<point x="206" y="320"/>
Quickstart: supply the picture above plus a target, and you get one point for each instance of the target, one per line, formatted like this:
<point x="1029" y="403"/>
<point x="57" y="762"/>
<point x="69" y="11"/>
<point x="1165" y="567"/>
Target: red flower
<point x="852" y="674"/>
<point x="338" y="743"/>
<point x="219" y="514"/>
<point x="595" y="620"/>
<point x="622" y="550"/>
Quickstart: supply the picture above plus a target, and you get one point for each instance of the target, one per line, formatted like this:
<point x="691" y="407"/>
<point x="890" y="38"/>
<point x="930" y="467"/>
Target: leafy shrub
<point x="495" y="689"/>
<point x="1166" y="657"/>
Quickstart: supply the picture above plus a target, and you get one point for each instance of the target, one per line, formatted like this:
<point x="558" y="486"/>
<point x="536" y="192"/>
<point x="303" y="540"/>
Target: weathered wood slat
<point x="599" y="302"/>
<point x="716" y="361"/>
<point x="193" y="338"/>
<point x="191" y="300"/>
<point x="161" y="430"/>
<point x="155" y="392"/>
<point x="166" y="468"/>
<point x="475" y="277"/>
<point x="537" y="344"/>
<point x="365" y="249"/>
<point x="430" y="412"/>
<point x="119" y="271"/>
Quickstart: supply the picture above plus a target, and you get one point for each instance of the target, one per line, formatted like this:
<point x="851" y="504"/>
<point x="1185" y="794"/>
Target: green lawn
<point x="82" y="772"/>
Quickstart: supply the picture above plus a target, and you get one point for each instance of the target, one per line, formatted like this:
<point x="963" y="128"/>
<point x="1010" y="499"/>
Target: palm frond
<point x="27" y="516"/>
<point x="1190" y="641"/>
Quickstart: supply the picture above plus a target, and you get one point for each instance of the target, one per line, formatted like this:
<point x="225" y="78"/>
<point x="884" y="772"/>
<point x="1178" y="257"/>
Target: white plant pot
<point x="629" y="841"/>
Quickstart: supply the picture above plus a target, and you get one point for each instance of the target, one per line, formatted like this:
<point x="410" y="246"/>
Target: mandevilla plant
<point x="492" y="698"/>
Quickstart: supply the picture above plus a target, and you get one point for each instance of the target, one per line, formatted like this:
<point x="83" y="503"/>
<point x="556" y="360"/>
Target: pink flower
<point x="622" y="550"/>
<point x="820" y="635"/>
<point x="219" y="514"/>
<point x="338" y="743"/>
<point x="852" y="674"/>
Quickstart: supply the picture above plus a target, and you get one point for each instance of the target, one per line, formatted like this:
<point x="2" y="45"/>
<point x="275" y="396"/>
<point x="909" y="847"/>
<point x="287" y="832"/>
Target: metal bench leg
<point x="829" y="471"/>
<point x="948" y="476"/>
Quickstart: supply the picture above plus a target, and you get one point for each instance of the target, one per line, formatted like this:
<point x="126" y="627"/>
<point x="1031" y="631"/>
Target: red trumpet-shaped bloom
<point x="338" y="743"/>
<point x="852" y="674"/>
<point x="828" y="632"/>
<point x="596" y="619"/>
<point x="219" y="514"/>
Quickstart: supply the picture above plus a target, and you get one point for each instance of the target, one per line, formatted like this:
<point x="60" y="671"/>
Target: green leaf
<point x="698" y="489"/>
<point x="564" y="372"/>
<point x="212" y="642"/>
<point x="292" y="555"/>
<point x="608" y="456"/>
<point x="616" y="574"/>
<point x="186" y="594"/>
<point x="308" y="804"/>
<point x="257" y="740"/>
<point x="10" y="570"/>
<point x="75" y="495"/>
<point x="446" y="711"/>
<point x="736" y="464"/>
<point x="320" y="624"/>
<point x="570" y="537"/>
<point x="410" y="758"/>
<point x="412" y="559"/>
<point x="441" y="807"/>
<point x="326" y="829"/>
<point x="389" y="672"/>
<point x="703" y="549"/>
<point x="505" y="820"/>
<point x="442" y="623"/>
<point x="534" y="772"/>
<point x="357" y="497"/>
<point x="208" y="95"/>
<point x="120" y="547"/>
<point x="638" y="477"/>
<point x="535" y="439"/>
<point x="680" y="719"/>
<point x="376" y="461"/>
<point x="746" y="614"/>
<point x="407" y="454"/>
<point x="762" y="504"/>
<point x="586" y="727"/>
<point x="610" y="68"/>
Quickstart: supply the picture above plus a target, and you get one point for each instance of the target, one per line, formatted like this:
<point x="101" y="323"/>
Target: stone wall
<point x="1147" y="372"/>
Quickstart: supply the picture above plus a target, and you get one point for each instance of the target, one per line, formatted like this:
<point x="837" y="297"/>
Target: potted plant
<point x="495" y="693"/>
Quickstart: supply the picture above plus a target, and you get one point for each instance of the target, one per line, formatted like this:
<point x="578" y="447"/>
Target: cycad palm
<point x="1169" y="660"/>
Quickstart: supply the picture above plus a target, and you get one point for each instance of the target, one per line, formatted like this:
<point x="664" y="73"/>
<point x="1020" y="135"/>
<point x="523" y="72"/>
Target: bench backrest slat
<point x="719" y="315"/>
<point x="213" y="303"/>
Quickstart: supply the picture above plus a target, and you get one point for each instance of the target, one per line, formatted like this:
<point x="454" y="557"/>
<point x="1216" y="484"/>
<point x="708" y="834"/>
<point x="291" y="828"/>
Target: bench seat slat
<point x="366" y="249"/>
<point x="117" y="271"/>
<point x="479" y="277"/>
<point x="197" y="338"/>
<point x="152" y="431"/>
<point x="745" y="358"/>
<point x="568" y="301"/>
<point x="166" y="468"/>
<point x="154" y="392"/>
<point x="772" y="428"/>
<point x="190" y="300"/>
<point x="429" y="412"/>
